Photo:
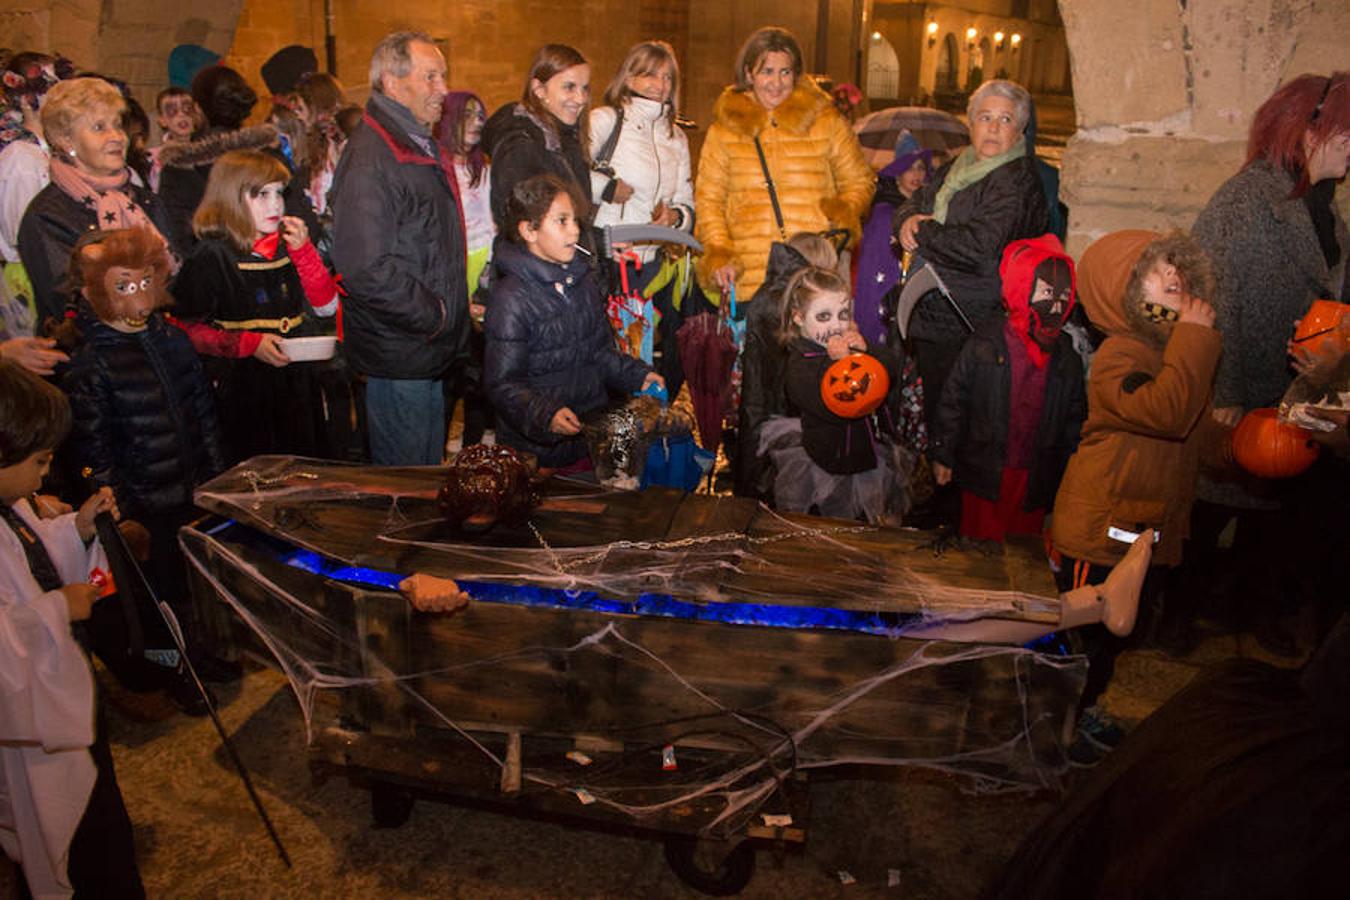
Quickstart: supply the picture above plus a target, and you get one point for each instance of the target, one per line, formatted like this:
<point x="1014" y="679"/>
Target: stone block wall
<point x="1165" y="92"/>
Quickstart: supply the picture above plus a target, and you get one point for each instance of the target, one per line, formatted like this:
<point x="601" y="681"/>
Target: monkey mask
<point x="123" y="275"/>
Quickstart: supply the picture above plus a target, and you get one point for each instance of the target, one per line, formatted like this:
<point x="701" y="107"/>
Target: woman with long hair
<point x="546" y="131"/>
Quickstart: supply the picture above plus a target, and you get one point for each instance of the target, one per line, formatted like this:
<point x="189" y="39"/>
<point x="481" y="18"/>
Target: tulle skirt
<point x="800" y="485"/>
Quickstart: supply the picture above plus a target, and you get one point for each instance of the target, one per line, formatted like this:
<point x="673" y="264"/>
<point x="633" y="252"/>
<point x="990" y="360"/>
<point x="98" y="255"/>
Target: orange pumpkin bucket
<point x="1322" y="326"/>
<point x="854" y="386"/>
<point x="1269" y="448"/>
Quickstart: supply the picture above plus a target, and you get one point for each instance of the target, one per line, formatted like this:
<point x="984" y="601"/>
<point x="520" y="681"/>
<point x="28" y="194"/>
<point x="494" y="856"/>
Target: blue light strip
<point x="657" y="605"/>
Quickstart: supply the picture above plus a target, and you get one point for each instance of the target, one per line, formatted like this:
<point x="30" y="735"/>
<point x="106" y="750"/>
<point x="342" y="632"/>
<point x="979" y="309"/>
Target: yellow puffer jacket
<point x="817" y="166"/>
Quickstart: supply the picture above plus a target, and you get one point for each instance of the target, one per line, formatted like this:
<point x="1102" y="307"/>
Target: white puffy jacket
<point x="648" y="157"/>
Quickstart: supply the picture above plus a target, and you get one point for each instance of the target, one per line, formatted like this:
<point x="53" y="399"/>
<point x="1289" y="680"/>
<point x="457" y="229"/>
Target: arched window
<point x="948" y="59"/>
<point x="883" y="68"/>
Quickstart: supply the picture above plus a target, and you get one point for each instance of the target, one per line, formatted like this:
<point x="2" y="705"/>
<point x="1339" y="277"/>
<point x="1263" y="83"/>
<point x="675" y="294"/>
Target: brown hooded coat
<point x="818" y="170"/>
<point x="1149" y="406"/>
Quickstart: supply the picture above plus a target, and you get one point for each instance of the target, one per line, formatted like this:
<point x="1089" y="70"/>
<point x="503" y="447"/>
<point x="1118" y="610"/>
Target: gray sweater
<point x="1270" y="269"/>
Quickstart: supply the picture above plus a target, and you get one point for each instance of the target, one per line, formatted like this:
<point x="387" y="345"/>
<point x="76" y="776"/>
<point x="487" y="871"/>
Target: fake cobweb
<point x="662" y="656"/>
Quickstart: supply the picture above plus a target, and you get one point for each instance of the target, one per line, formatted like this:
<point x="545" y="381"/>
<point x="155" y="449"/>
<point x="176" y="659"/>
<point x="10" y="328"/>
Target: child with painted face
<point x="823" y="463"/>
<point x="551" y="355"/>
<point x="1011" y="410"/>
<point x="252" y="280"/>
<point x="66" y="836"/>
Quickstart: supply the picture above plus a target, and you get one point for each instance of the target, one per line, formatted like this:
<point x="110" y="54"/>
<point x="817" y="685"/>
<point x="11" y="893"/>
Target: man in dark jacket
<point x="398" y="241"/>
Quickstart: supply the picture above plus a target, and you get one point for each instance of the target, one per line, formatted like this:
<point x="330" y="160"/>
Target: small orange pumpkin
<point x="854" y="386"/>
<point x="1322" y="326"/>
<point x="1269" y="448"/>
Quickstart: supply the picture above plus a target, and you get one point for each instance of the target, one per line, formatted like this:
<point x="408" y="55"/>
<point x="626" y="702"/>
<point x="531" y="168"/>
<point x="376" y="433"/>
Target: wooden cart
<point x="695" y="717"/>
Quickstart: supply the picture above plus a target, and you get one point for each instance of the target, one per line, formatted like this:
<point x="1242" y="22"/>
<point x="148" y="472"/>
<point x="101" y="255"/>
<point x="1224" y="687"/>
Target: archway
<point x="883" y="68"/>
<point x="948" y="59"/>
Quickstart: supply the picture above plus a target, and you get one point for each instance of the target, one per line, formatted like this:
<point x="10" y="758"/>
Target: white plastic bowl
<point x="310" y="349"/>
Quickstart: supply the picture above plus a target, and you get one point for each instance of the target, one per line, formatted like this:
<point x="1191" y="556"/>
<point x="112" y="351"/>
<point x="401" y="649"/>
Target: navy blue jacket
<point x="144" y="420"/>
<point x="549" y="345"/>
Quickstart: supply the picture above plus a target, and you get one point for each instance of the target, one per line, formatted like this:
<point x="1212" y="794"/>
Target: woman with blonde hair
<point x="252" y="280"/>
<point x="91" y="186"/>
<point x="641" y="170"/>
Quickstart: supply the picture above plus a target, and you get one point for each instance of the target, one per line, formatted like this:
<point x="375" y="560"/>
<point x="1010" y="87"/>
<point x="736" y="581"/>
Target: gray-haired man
<point x="398" y="240"/>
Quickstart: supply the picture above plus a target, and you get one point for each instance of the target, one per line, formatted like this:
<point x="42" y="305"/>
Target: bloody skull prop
<point x="123" y="274"/>
<point x="486" y="485"/>
<point x="854" y="386"/>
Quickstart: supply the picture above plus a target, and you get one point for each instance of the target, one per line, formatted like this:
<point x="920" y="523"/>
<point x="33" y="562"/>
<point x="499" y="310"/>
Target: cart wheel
<point x="697" y="868"/>
<point x="390" y="806"/>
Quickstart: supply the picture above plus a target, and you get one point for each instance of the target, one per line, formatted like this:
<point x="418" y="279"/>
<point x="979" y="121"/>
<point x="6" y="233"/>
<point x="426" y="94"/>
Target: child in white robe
<point x="48" y="774"/>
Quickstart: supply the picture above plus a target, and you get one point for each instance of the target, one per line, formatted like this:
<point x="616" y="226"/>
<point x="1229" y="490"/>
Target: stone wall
<point x="1165" y="94"/>
<point x="128" y="39"/>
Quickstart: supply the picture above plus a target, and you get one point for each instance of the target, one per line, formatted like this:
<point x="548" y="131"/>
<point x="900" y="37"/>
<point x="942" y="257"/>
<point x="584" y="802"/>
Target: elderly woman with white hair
<point x="91" y="186"/>
<point x="976" y="204"/>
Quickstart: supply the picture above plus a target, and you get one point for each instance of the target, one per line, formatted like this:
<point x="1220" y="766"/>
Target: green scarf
<point x="967" y="170"/>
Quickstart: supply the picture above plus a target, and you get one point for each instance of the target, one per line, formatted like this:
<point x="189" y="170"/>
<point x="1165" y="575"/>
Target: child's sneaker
<point x="1097" y="734"/>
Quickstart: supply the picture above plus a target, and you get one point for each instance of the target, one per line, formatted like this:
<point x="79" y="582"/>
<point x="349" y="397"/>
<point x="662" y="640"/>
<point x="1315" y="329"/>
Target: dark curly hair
<point x="530" y="201"/>
<point x="223" y="96"/>
<point x="34" y="415"/>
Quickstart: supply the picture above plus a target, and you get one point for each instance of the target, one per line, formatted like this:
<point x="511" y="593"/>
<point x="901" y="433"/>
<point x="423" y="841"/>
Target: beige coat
<point x="822" y="179"/>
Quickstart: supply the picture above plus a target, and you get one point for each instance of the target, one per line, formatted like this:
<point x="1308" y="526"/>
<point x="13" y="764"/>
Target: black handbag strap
<point x="601" y="160"/>
<point x="773" y="192"/>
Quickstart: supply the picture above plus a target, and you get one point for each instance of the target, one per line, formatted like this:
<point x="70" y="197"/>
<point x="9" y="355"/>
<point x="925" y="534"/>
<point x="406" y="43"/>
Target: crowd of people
<point x="150" y="295"/>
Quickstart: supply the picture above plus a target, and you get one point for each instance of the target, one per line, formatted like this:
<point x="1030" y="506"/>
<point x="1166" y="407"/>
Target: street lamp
<point x="932" y="34"/>
<point x="1016" y="41"/>
<point x="970" y="36"/>
<point x="998" y="40"/>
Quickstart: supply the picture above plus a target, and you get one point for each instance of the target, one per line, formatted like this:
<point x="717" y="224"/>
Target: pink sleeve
<point x="320" y="288"/>
<point x="208" y="340"/>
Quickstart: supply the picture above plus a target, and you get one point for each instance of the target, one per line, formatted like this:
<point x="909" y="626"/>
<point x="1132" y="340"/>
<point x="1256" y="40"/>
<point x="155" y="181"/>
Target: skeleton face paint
<point x="824" y="317"/>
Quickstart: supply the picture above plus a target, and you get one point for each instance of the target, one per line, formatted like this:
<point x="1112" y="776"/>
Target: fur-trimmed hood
<point x="740" y="112"/>
<point x="205" y="151"/>
<point x="1111" y="275"/>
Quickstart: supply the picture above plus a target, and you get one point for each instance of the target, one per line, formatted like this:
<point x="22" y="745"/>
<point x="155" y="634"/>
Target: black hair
<point x="223" y="96"/>
<point x="34" y="415"/>
<point x="530" y="201"/>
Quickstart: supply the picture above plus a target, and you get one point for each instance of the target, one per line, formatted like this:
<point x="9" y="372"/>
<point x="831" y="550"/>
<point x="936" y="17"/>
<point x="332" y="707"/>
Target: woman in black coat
<point x="545" y="132"/>
<point x="976" y="204"/>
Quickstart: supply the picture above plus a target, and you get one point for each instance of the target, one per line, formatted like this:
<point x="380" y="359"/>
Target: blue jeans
<point x="406" y="419"/>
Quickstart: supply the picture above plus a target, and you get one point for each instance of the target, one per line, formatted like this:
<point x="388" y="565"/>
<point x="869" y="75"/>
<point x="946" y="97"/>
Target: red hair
<point x="1310" y="104"/>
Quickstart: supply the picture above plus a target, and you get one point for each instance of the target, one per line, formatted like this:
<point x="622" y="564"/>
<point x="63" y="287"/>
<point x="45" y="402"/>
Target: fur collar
<point x="207" y="150"/>
<point x="740" y="112"/>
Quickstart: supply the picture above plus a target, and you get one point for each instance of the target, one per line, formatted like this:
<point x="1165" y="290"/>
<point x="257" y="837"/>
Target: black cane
<point x="115" y="545"/>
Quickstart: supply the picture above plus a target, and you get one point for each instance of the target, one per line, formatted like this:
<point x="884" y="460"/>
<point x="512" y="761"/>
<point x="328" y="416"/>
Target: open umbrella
<point x="934" y="129"/>
<point x="708" y="351"/>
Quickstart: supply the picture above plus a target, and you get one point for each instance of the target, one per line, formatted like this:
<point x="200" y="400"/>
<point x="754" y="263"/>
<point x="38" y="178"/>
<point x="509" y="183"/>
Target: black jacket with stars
<point x="50" y="227"/>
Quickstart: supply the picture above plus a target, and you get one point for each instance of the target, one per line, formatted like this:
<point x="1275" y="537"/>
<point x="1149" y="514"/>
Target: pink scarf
<point x="111" y="205"/>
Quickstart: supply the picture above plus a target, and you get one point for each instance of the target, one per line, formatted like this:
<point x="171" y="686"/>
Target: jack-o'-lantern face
<point x="854" y="386"/>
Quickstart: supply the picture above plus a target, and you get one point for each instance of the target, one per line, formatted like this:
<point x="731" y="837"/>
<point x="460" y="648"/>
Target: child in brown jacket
<point x="1149" y="423"/>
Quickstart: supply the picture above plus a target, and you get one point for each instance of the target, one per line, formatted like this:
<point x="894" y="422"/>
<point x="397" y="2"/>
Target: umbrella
<point x="631" y="315"/>
<point x="708" y="351"/>
<point x="934" y="129"/>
